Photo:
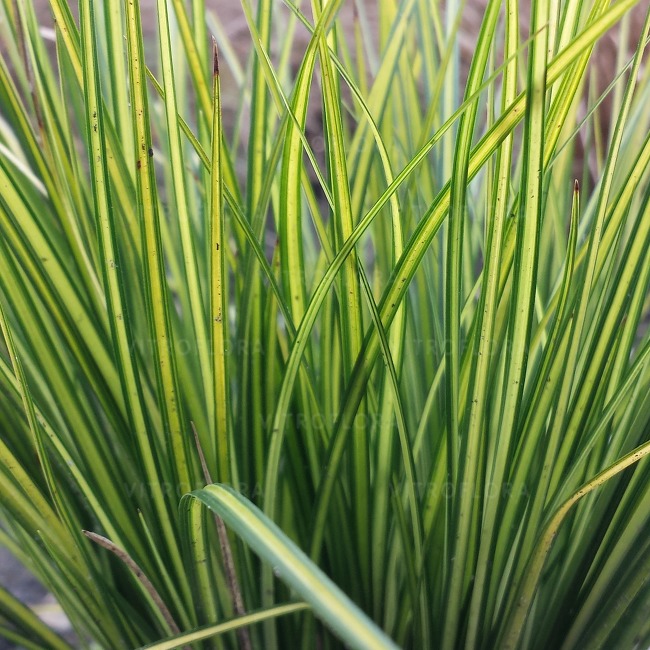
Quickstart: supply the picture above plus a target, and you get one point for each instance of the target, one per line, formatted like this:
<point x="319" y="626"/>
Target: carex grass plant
<point x="340" y="344"/>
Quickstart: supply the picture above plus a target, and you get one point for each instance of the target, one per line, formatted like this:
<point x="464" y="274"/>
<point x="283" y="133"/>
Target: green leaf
<point x="290" y="565"/>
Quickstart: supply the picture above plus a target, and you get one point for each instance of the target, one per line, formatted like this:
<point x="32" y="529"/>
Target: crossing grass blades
<point x="366" y="367"/>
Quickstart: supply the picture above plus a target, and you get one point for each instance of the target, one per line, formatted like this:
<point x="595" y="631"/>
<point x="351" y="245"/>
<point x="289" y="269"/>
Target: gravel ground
<point x="22" y="584"/>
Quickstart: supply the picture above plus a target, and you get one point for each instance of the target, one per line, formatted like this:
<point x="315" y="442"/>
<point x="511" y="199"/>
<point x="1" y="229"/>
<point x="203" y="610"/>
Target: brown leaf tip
<point x="215" y="58"/>
<point x="576" y="186"/>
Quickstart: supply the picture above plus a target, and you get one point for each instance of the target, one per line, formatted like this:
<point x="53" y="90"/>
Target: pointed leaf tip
<point x="576" y="186"/>
<point x="215" y="57"/>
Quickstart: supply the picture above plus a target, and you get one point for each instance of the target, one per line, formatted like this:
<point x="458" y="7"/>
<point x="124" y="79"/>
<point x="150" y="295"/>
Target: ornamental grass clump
<point x="342" y="342"/>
